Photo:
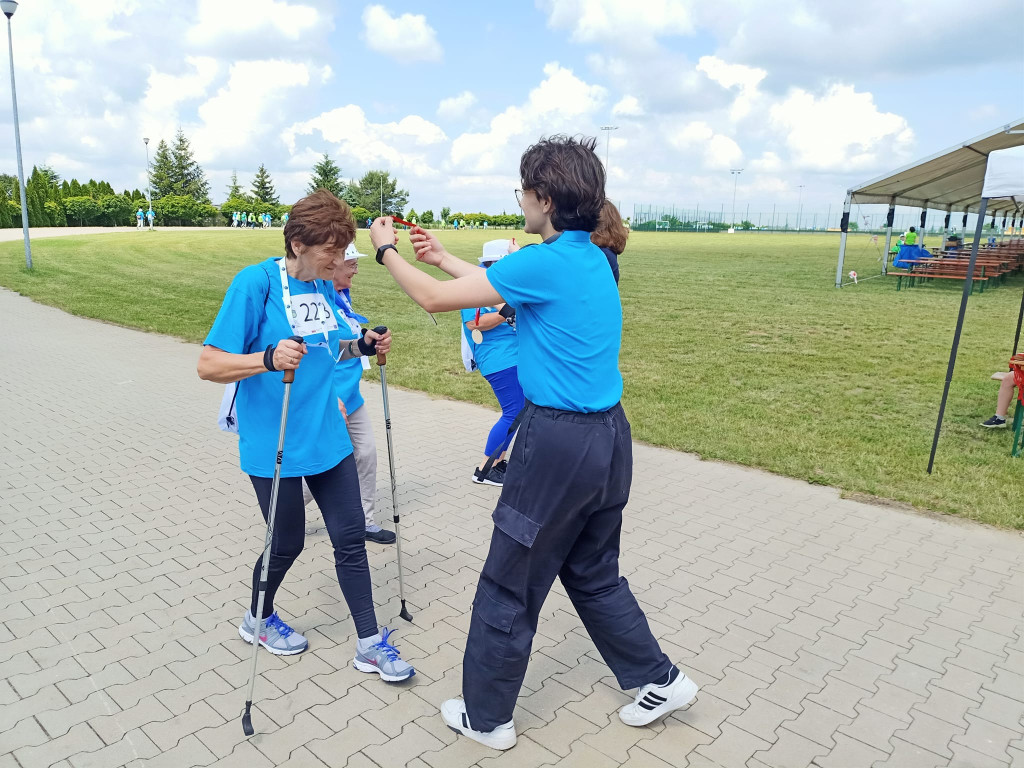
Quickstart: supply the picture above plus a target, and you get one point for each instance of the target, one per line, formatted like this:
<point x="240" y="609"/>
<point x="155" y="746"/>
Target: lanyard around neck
<point x="293" y="316"/>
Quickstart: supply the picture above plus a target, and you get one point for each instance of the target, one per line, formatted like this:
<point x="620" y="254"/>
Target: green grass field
<point x="736" y="347"/>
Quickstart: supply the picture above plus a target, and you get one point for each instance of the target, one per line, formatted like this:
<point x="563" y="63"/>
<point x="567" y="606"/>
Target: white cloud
<point x="405" y="38"/>
<point x="219" y="19"/>
<point x="716" y="150"/>
<point x="730" y="75"/>
<point x="842" y="130"/>
<point x="559" y="104"/>
<point x="241" y="113"/>
<point x="401" y="146"/>
<point x="455" y="107"/>
<point x="768" y="162"/>
<point x="627" y="23"/>
<point x="628" y="106"/>
<point x="165" y="91"/>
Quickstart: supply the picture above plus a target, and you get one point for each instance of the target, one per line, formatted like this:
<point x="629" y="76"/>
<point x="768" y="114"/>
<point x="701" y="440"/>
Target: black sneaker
<point x="494" y="477"/>
<point x="379" y="535"/>
<point x="994" y="423"/>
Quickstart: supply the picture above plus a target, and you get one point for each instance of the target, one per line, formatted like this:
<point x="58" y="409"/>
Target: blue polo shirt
<point x="499" y="349"/>
<point x="251" y="317"/>
<point x="568" y="320"/>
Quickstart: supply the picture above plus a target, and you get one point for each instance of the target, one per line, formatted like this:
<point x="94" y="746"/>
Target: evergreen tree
<point x="376" y="187"/>
<point x="263" y="186"/>
<point x="187" y="176"/>
<point x="161" y="173"/>
<point x="234" y="189"/>
<point x="326" y="175"/>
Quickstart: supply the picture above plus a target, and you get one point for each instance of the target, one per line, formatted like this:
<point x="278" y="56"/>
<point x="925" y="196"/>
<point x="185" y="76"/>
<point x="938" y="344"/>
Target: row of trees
<point x="181" y="196"/>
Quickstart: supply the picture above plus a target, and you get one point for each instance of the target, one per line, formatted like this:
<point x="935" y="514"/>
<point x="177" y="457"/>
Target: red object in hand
<point x="400" y="221"/>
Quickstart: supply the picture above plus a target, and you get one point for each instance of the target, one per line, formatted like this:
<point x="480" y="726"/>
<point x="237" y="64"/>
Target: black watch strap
<point x="380" y="252"/>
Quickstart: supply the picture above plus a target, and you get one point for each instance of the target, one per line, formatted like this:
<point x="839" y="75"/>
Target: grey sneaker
<point x="382" y="658"/>
<point x="277" y="637"/>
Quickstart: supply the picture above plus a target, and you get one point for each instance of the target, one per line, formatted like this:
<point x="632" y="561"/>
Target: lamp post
<point x="607" y="142"/>
<point x="735" y="178"/>
<point x="9" y="7"/>
<point x="149" y="188"/>
<point x="800" y="206"/>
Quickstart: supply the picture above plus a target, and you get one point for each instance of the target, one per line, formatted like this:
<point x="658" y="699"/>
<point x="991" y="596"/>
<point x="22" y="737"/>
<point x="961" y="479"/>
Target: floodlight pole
<point x="735" y="178"/>
<point x="149" y="187"/>
<point x="800" y="204"/>
<point x="9" y="7"/>
<point x="607" y="144"/>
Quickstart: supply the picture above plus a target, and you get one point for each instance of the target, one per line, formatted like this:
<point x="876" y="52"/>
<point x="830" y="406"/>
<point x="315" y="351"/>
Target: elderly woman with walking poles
<point x="278" y="323"/>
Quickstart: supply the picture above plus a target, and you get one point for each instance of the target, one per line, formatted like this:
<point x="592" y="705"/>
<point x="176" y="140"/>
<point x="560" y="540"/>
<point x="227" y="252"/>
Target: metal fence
<point x="670" y="218"/>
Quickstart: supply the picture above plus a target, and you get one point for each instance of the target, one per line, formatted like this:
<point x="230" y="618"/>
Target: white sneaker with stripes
<point x="654" y="701"/>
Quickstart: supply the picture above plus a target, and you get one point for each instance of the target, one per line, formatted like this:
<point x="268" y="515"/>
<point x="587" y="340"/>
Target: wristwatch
<point x="380" y="252"/>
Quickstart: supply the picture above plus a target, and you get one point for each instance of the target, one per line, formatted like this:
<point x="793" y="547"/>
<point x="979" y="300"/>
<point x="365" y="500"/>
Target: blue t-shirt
<point x="499" y="349"/>
<point x="568" y="321"/>
<point x="251" y="317"/>
<point x="348" y="373"/>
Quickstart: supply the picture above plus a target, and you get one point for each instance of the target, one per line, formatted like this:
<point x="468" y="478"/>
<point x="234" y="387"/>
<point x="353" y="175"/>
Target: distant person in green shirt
<point x="911" y="237"/>
<point x="894" y="251"/>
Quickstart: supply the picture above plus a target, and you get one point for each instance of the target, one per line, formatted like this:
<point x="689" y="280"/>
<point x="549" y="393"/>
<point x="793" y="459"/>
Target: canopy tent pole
<point x="924" y="216"/>
<point x="888" y="234"/>
<point x="945" y="234"/>
<point x="963" y="227"/>
<point x="1020" y="319"/>
<point x="844" y="227"/>
<point x="968" y="283"/>
<point x="1002" y="235"/>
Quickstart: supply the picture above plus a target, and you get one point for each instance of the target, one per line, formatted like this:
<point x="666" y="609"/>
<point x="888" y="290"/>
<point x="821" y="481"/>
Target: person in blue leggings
<point x="495" y="357"/>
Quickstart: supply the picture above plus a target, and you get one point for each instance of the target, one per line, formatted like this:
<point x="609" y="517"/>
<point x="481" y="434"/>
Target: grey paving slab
<point x="824" y="631"/>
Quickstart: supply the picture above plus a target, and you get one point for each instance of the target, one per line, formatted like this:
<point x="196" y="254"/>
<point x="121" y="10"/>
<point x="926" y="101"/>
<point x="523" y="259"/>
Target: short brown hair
<point x="611" y="233"/>
<point x="567" y="170"/>
<point x="317" y="219"/>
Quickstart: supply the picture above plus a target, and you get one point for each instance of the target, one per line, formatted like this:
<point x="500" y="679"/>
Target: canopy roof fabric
<point x="952" y="177"/>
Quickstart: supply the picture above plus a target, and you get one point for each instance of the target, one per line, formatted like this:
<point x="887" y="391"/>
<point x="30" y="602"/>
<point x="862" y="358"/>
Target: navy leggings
<point x="337" y="494"/>
<point x="510" y="396"/>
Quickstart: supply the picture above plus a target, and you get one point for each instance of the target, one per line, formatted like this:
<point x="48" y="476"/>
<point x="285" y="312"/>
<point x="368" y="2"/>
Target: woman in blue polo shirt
<point x="569" y="474"/>
<point x="496" y="352"/>
<point x="265" y="305"/>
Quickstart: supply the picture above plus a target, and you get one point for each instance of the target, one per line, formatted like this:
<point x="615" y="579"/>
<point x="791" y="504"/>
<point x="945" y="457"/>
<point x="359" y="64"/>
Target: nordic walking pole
<point x="382" y="363"/>
<point x="289" y="377"/>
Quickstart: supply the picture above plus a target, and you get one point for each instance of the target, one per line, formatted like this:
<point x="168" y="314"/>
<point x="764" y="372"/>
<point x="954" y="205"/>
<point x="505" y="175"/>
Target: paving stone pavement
<point x="823" y="631"/>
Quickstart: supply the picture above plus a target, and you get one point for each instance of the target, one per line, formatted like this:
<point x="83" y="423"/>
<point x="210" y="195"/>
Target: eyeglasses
<point x="519" y="197"/>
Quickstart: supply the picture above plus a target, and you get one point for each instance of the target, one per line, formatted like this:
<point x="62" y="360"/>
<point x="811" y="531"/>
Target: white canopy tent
<point x="952" y="179"/>
<point x="1002" y="190"/>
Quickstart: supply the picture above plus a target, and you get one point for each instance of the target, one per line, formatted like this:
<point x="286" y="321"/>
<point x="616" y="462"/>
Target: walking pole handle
<point x="289" y="375"/>
<point x="382" y="359"/>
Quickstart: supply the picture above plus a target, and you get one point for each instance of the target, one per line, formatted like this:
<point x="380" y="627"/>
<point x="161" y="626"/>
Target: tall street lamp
<point x="608" y="140"/>
<point x="800" y="206"/>
<point x="149" y="187"/>
<point x="735" y="178"/>
<point x="9" y="7"/>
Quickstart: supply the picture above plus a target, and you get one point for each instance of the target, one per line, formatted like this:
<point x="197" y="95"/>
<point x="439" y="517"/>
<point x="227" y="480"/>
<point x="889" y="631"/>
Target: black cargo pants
<point x="559" y="514"/>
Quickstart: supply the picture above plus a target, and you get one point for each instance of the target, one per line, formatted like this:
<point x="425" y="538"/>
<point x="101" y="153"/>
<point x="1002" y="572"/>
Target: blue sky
<point x="447" y="95"/>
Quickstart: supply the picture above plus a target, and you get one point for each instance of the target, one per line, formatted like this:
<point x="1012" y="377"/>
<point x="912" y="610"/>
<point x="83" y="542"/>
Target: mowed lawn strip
<point x="735" y="347"/>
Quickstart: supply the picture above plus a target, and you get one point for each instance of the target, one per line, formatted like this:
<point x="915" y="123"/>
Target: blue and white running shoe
<point x="382" y="657"/>
<point x="277" y="637"/>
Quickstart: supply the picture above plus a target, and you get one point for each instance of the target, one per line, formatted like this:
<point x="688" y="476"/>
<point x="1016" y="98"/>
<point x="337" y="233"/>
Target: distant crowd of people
<point x="243" y="220"/>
